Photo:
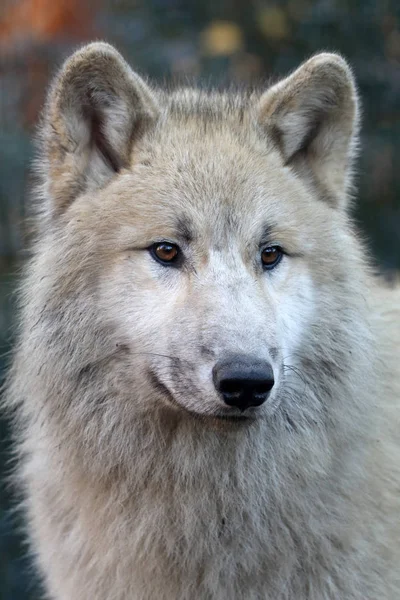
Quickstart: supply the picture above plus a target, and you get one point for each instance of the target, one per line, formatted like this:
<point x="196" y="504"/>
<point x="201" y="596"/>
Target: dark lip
<point x="161" y="387"/>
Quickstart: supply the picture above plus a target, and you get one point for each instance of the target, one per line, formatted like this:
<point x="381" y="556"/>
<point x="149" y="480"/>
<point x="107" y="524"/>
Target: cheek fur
<point x="140" y="299"/>
<point x="294" y="301"/>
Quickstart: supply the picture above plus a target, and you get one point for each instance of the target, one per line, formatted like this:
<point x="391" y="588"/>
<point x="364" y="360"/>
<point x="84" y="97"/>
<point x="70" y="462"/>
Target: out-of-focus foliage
<point x="215" y="40"/>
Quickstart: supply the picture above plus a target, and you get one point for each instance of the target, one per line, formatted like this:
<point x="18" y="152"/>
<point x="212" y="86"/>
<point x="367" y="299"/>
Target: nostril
<point x="231" y="387"/>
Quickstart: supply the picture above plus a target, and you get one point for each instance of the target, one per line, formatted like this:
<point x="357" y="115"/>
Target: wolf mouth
<point x="169" y="397"/>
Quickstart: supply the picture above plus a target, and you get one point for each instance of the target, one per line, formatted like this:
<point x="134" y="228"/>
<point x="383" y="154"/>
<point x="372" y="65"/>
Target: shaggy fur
<point x="140" y="483"/>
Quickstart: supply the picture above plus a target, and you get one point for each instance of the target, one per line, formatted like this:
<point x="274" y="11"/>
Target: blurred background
<point x="216" y="40"/>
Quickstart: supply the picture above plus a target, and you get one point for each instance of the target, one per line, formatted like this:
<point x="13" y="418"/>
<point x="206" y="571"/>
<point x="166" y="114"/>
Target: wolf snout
<point x="243" y="381"/>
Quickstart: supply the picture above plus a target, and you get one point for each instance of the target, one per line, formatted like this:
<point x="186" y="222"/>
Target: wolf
<point x="206" y="380"/>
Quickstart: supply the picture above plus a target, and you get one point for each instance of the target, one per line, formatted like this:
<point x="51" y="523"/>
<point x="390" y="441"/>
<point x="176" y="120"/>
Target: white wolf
<point x="206" y="382"/>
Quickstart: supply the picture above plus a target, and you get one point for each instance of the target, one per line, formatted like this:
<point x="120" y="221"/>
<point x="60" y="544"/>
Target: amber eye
<point x="165" y="253"/>
<point x="271" y="256"/>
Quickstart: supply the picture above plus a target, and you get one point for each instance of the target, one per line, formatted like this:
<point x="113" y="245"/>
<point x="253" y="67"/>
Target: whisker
<point x="294" y="370"/>
<point x="174" y="358"/>
<point x="297" y="372"/>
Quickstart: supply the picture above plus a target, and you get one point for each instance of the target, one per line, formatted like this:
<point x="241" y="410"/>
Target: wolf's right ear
<point x="96" y="109"/>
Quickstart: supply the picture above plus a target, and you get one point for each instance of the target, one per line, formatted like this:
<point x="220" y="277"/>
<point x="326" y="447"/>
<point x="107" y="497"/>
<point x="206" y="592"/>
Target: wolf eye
<point x="165" y="253"/>
<point x="271" y="256"/>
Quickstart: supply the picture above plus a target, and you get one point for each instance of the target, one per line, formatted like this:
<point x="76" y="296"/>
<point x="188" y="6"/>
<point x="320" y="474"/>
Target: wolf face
<point x="195" y="225"/>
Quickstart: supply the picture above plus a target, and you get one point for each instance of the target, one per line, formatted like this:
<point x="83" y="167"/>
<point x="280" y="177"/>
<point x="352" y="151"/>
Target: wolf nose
<point x="243" y="381"/>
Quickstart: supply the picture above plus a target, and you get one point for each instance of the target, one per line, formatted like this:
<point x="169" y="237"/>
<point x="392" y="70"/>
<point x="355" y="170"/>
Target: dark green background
<point x="171" y="38"/>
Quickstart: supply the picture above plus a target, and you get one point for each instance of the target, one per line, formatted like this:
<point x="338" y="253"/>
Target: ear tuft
<point x="313" y="117"/>
<point x="97" y="108"/>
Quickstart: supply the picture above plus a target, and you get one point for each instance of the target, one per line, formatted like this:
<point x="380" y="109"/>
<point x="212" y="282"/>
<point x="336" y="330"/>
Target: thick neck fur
<point x="220" y="511"/>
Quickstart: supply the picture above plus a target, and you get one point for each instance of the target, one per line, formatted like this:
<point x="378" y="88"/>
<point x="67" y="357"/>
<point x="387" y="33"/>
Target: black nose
<point x="243" y="381"/>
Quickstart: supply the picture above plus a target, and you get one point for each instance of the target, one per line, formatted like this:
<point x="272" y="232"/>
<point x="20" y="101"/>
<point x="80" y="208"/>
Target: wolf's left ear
<point x="312" y="116"/>
<point x="96" y="110"/>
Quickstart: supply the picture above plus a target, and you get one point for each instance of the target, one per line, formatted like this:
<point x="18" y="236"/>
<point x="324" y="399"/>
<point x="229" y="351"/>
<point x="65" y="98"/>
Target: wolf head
<point x="195" y="254"/>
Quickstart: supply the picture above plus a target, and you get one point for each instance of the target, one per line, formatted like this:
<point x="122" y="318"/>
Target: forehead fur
<point x="203" y="180"/>
<point x="208" y="105"/>
<point x="209" y="153"/>
<point x="193" y="120"/>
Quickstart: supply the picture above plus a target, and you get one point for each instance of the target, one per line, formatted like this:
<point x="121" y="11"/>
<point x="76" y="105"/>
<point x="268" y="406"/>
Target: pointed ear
<point x="312" y="115"/>
<point x="96" y="110"/>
